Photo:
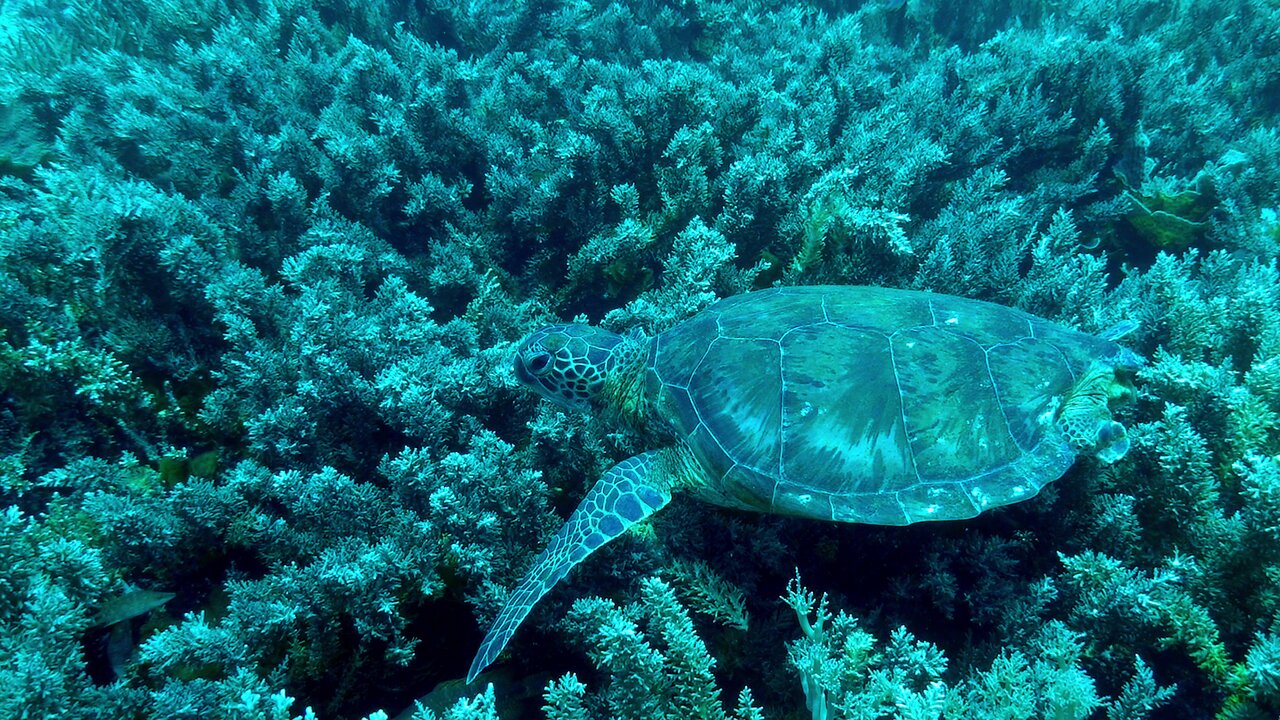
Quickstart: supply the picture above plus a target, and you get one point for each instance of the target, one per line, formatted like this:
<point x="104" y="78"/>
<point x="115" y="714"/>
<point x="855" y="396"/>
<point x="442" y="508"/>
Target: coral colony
<point x="272" y="274"/>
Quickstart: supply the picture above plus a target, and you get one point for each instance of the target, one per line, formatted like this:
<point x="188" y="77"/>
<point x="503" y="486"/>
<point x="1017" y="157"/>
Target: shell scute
<point x="1029" y="398"/>
<point x="878" y="308"/>
<point x="841" y="411"/>
<point x="736" y="394"/>
<point x="954" y="418"/>
<point x="977" y="320"/>
<point x="770" y="315"/>
<point x="678" y="353"/>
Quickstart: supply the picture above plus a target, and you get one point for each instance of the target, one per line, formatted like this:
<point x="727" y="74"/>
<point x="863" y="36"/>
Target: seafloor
<point x="264" y="265"/>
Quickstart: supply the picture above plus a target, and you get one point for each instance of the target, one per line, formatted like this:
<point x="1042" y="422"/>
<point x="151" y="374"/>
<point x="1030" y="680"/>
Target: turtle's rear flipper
<point x="1113" y="442"/>
<point x="631" y="491"/>
<point x="1085" y="419"/>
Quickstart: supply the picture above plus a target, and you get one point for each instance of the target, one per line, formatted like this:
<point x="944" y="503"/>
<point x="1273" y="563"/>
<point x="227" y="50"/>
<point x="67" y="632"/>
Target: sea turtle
<point x="852" y="404"/>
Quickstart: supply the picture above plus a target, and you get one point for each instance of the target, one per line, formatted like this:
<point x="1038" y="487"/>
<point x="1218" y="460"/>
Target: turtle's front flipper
<point x="631" y="491"/>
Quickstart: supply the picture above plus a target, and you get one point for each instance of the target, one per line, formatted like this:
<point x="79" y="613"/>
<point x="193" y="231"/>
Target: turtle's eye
<point x="539" y="364"/>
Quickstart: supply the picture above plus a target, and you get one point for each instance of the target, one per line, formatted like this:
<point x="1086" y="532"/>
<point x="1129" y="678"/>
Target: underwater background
<point x="263" y="264"/>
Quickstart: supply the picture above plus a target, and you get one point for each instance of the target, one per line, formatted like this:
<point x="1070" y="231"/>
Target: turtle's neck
<point x="625" y="393"/>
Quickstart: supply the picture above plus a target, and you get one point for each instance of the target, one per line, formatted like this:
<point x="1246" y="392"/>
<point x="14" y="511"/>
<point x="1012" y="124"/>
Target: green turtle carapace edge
<point x="847" y="404"/>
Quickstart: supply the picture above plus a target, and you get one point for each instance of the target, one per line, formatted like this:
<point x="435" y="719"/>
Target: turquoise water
<point x="266" y="266"/>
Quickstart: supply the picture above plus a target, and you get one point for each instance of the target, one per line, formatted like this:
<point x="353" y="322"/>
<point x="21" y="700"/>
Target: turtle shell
<point x="874" y="405"/>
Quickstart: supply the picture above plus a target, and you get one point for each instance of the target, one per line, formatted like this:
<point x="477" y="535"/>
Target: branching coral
<point x="260" y="274"/>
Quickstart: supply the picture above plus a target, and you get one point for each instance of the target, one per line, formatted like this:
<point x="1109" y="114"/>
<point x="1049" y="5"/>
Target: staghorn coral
<point x="261" y="265"/>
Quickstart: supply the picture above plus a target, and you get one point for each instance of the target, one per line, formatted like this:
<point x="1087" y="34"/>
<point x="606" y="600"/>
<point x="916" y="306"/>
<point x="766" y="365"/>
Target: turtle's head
<point x="569" y="364"/>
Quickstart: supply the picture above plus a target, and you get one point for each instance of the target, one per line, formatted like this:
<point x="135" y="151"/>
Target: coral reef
<point x="262" y="265"/>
